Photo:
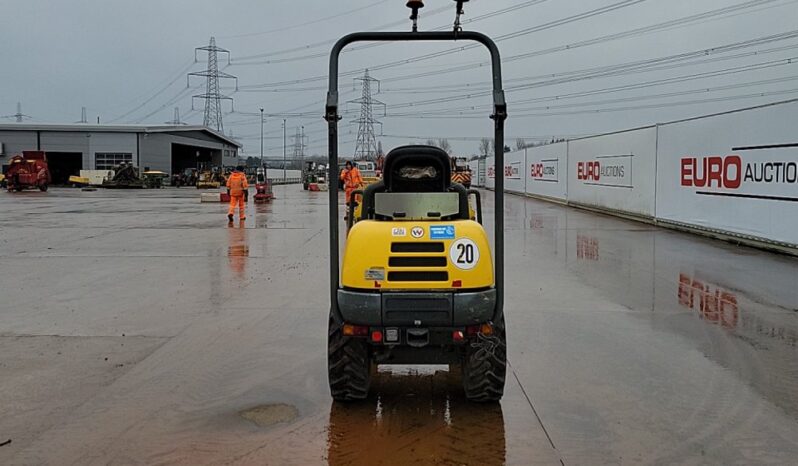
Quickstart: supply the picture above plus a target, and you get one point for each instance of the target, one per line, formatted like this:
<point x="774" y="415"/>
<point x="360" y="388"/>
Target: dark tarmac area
<point x="136" y="327"/>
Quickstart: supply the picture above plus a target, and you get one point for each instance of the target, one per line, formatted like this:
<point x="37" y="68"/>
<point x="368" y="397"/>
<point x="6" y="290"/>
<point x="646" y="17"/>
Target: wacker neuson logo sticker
<point x="774" y="178"/>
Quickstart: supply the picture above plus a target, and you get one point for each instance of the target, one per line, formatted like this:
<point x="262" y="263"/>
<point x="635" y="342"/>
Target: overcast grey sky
<point x="126" y="62"/>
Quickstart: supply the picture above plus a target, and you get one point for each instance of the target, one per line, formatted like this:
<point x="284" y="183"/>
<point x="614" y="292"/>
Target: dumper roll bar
<point x="499" y="115"/>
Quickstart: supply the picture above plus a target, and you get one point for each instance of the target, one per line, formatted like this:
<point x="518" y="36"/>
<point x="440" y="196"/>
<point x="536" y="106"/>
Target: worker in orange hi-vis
<point x="351" y="179"/>
<point x="236" y="186"/>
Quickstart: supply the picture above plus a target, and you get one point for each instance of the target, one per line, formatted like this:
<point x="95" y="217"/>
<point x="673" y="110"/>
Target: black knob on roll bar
<point x="415" y="5"/>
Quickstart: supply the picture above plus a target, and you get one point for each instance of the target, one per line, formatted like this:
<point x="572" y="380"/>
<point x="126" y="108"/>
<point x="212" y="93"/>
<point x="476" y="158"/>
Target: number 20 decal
<point x="464" y="254"/>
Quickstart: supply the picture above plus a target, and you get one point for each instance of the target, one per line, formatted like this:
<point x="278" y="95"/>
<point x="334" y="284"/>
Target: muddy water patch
<point x="270" y="414"/>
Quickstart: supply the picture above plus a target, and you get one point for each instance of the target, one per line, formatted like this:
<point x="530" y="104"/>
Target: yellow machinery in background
<point x="78" y="181"/>
<point x="210" y="179"/>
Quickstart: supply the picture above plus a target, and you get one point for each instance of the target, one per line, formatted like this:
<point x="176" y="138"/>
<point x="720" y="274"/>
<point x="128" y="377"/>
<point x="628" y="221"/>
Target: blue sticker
<point x="441" y="232"/>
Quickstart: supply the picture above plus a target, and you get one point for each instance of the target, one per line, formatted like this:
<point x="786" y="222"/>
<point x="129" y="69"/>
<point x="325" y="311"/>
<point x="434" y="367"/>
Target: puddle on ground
<point x="416" y="415"/>
<point x="270" y="414"/>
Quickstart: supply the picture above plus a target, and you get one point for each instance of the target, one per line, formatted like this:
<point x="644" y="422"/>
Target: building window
<point x="108" y="160"/>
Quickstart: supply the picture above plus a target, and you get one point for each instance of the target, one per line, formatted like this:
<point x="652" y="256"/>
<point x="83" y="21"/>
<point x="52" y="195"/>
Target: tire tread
<point x="484" y="373"/>
<point x="348" y="365"/>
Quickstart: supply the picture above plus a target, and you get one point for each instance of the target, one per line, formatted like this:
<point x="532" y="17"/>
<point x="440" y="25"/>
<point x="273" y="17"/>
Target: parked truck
<point x="461" y="172"/>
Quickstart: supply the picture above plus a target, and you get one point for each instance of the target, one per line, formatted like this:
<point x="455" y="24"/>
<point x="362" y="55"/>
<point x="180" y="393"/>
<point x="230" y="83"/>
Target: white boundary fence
<point x="731" y="175"/>
<point x="275" y="175"/>
<point x="614" y="171"/>
<point x="547" y="171"/>
<point x="478" y="172"/>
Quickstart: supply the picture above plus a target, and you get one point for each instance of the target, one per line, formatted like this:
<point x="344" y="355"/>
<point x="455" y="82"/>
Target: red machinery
<point x="28" y="171"/>
<point x="263" y="189"/>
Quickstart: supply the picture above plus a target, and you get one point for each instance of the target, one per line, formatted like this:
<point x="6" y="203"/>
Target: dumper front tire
<point x="485" y="366"/>
<point x="348" y="365"/>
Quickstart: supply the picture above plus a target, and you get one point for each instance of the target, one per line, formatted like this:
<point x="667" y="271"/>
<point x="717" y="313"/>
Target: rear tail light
<point x="376" y="336"/>
<point x="484" y="329"/>
<point x="355" y="330"/>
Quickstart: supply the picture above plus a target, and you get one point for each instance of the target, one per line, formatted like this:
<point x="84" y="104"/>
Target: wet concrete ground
<point x="137" y="328"/>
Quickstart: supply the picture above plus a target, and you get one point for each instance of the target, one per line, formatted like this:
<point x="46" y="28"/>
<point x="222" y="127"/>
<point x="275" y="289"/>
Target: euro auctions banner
<point x="514" y="171"/>
<point x="490" y="172"/>
<point x="614" y="171"/>
<point x="546" y="170"/>
<point x="736" y="172"/>
<point x="514" y="178"/>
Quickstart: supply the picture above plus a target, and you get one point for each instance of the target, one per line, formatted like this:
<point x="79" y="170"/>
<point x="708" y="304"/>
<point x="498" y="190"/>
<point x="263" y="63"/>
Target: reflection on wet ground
<point x="164" y="336"/>
<point x="238" y="248"/>
<point x="416" y="418"/>
<point x="638" y="304"/>
<point x="712" y="303"/>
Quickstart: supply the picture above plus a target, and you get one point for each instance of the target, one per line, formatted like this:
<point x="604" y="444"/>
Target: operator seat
<point x="415" y="169"/>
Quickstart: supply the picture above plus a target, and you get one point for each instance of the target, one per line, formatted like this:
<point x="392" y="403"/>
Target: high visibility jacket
<point x="237" y="183"/>
<point x="352" y="179"/>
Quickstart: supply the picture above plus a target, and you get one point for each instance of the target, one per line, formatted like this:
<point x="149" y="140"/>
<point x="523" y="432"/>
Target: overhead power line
<point x="673" y="61"/>
<point x="183" y="93"/>
<point x="669" y="104"/>
<point x="246" y="59"/>
<point x="573" y="18"/>
<point x="703" y="90"/>
<point x="621" y="109"/>
<point x="679" y="22"/>
<point x="667" y="25"/>
<point x="634" y="86"/>
<point x="473" y="138"/>
<point x="728" y="12"/>
<point x="641" y="85"/>
<point x="640" y="66"/>
<point x="307" y="23"/>
<point x="160" y="91"/>
<point x="473" y="111"/>
<point x="324" y="43"/>
<point x="601" y="72"/>
<point x="706" y="90"/>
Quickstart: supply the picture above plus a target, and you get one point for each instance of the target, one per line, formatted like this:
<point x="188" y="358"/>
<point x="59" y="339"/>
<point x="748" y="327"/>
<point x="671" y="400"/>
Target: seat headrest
<point x="417" y="168"/>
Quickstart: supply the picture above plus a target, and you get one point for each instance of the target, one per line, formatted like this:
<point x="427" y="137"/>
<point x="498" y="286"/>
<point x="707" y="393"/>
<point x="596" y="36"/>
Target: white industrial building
<point x="74" y="147"/>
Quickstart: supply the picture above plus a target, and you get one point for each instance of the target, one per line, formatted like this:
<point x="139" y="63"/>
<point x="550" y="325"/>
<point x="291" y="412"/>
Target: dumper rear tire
<point x="485" y="366"/>
<point x="348" y="365"/>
